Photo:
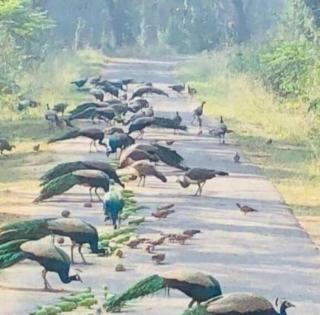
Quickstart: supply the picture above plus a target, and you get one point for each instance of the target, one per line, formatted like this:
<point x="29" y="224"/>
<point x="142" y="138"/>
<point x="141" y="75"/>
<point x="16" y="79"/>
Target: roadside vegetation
<point x="268" y="91"/>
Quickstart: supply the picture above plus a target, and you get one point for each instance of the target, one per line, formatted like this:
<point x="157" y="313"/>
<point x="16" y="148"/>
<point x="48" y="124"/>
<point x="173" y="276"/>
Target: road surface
<point x="266" y="252"/>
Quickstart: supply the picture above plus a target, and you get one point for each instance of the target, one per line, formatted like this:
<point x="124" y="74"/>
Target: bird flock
<point x="115" y="122"/>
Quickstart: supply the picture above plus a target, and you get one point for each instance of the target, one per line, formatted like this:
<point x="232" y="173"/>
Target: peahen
<point x="68" y="167"/>
<point x="198" y="176"/>
<point x="94" y="134"/>
<point x="198" y="286"/>
<point x="142" y="169"/>
<point x="79" y="231"/>
<point x="43" y="251"/>
<point x="90" y="178"/>
<point x="113" y="204"/>
<point x="239" y="304"/>
<point x="168" y="123"/>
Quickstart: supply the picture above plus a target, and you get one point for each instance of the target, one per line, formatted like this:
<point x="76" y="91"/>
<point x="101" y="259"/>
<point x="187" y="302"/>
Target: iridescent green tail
<point x="142" y="288"/>
<point x="10" y="253"/>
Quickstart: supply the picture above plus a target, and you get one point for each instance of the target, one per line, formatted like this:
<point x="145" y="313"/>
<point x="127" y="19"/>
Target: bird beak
<point x="290" y="305"/>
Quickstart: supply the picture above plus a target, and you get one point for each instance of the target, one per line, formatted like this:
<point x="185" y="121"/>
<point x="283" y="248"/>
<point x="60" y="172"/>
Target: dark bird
<point x="89" y="178"/>
<point x="220" y="131"/>
<point x="80" y="83"/>
<point x="191" y="232"/>
<point x="149" y="112"/>
<point x="177" y="87"/>
<point x="246" y="209"/>
<point x="5" y="146"/>
<point x="107" y="87"/>
<point x="118" y="141"/>
<point x="36" y="148"/>
<point x="138" y="104"/>
<point x="94" y="134"/>
<point x="134" y="117"/>
<point x="113" y="204"/>
<point x="44" y="252"/>
<point x="140" y="124"/>
<point x="60" y="108"/>
<point x="112" y="130"/>
<point x="136" y="155"/>
<point x="141" y="170"/>
<point x="120" y="108"/>
<point x="69" y="167"/>
<point x="170" y="142"/>
<point x="197" y="114"/>
<point x="98" y="94"/>
<point x="86" y="105"/>
<point x="168" y="123"/>
<point x="236" y="158"/>
<point x="199" y="176"/>
<point x="106" y="114"/>
<point x="65" y="213"/>
<point x="147" y="90"/>
<point x="95" y="80"/>
<point x="79" y="231"/>
<point x="52" y="117"/>
<point x="239" y="304"/>
<point x="198" y="286"/>
<point x="192" y="91"/>
<point x="158" y="258"/>
<point x="269" y="141"/>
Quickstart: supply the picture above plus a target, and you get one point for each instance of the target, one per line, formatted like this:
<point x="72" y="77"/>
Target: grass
<point x="292" y="161"/>
<point x="48" y="83"/>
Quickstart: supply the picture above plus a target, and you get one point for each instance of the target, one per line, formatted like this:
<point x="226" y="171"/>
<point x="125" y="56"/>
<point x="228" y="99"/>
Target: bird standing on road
<point x="245" y="209"/>
<point x="198" y="176"/>
<point x="220" y="131"/>
<point x="43" y="251"/>
<point x="236" y="158"/>
<point x="239" y="304"/>
<point x="197" y="114"/>
<point x="113" y="204"/>
<point x="142" y="169"/>
<point x="198" y="286"/>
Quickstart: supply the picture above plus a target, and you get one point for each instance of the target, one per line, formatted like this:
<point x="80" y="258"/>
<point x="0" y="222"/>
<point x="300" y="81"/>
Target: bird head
<point x="77" y="277"/>
<point x="284" y="305"/>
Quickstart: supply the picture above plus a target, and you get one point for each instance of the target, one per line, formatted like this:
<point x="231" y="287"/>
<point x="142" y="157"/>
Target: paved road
<point x="266" y="252"/>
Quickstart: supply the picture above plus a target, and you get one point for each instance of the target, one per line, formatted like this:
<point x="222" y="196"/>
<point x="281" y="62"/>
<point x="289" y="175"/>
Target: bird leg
<point x="201" y="186"/>
<point x="144" y="181"/>
<point x="191" y="303"/>
<point x="95" y="145"/>
<point x="82" y="257"/>
<point x="96" y="193"/>
<point x="140" y="180"/>
<point x="91" y="145"/>
<point x="47" y="286"/>
<point x="90" y="192"/>
<point x="198" y="190"/>
<point x="73" y="245"/>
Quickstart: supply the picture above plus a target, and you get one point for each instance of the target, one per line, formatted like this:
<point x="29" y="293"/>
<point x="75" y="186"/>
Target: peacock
<point x="80" y="83"/>
<point x="44" y="252"/>
<point x="98" y="94"/>
<point x="136" y="155"/>
<point x="140" y="124"/>
<point x="113" y="204"/>
<point x="105" y="113"/>
<point x="91" y="178"/>
<point x="198" y="176"/>
<point x="168" y="123"/>
<point x="197" y="285"/>
<point x="220" y="131"/>
<point x="79" y="231"/>
<point x="68" y="167"/>
<point x="239" y="304"/>
<point x="118" y="141"/>
<point x="147" y="90"/>
<point x="95" y="134"/>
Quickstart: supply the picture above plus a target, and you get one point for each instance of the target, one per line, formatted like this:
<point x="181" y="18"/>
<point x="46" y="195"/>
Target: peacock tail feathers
<point x="87" y="113"/>
<point x="170" y="157"/>
<point x="142" y="288"/>
<point x="69" y="135"/>
<point x="62" y="169"/>
<point x="198" y="310"/>
<point x="57" y="186"/>
<point x="10" y="253"/>
<point x="27" y="229"/>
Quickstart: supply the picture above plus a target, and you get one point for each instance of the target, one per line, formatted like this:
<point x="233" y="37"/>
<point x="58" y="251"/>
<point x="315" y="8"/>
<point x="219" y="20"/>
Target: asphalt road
<point x="265" y="252"/>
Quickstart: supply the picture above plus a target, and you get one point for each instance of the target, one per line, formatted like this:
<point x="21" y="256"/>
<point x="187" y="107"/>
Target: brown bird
<point x="269" y="141"/>
<point x="246" y="209"/>
<point x="36" y="148"/>
<point x="197" y="113"/>
<point x="191" y="232"/>
<point x="143" y="169"/>
<point x="198" y="176"/>
<point x="136" y="242"/>
<point x="178" y="238"/>
<point x="158" y="258"/>
<point x="191" y="91"/>
<point x="162" y="214"/>
<point x="136" y="155"/>
<point x="236" y="158"/>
